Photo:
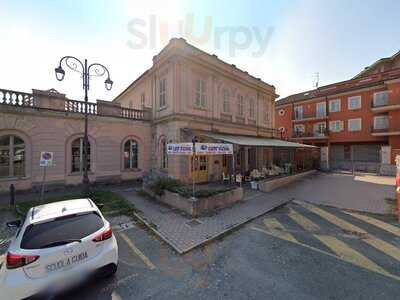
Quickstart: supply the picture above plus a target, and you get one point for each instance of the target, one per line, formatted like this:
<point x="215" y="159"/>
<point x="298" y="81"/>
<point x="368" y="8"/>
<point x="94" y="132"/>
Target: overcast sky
<point x="283" y="42"/>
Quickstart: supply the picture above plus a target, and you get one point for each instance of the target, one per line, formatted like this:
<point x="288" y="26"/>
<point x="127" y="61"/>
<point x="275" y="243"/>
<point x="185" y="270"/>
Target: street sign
<point x="213" y="148"/>
<point x="180" y="149"/>
<point x="46" y="159"/>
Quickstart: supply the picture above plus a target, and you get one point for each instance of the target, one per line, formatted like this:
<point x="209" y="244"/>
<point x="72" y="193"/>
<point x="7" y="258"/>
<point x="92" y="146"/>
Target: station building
<point x="186" y="95"/>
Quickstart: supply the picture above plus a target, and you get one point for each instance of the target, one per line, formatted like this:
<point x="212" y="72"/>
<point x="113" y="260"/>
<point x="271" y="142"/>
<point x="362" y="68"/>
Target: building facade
<point x="192" y="94"/>
<point x="186" y="95"/>
<point x="47" y="121"/>
<point x="355" y="122"/>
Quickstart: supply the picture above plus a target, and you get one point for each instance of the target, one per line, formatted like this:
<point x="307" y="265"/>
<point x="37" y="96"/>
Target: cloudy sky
<point x="285" y="43"/>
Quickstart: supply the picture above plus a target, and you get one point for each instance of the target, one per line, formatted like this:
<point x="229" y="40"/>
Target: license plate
<point x="63" y="263"/>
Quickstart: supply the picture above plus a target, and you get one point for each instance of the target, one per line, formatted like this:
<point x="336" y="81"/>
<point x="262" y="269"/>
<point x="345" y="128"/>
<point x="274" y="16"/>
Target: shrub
<point x="164" y="183"/>
<point x="161" y="184"/>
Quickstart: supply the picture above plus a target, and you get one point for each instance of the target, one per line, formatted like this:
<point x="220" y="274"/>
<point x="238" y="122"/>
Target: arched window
<point x="131" y="154"/>
<point x="77" y="155"/>
<point x="164" y="155"/>
<point x="12" y="156"/>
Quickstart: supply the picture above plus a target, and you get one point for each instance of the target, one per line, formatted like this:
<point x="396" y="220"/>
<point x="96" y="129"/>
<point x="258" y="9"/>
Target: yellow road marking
<point x="332" y="218"/>
<point x="378" y="223"/>
<point x="304" y="222"/>
<point x="277" y="228"/>
<point x="326" y="253"/>
<point x="348" y="254"/>
<point x="139" y="253"/>
<point x="371" y="240"/>
<point x="383" y="246"/>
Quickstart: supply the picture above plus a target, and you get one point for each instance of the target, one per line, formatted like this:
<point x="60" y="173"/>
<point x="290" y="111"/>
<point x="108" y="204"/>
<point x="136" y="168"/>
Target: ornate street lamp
<point x="86" y="71"/>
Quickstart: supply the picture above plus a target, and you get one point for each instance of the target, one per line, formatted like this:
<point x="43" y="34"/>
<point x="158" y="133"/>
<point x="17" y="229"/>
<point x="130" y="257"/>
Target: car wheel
<point x="107" y="271"/>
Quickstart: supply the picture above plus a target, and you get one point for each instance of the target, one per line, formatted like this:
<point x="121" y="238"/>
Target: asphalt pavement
<point x="299" y="251"/>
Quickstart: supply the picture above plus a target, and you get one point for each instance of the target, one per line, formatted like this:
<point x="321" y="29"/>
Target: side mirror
<point x="14" y="224"/>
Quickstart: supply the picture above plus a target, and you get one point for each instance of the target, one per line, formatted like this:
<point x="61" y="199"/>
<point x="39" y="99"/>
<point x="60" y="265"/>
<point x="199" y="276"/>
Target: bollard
<point x="12" y="195"/>
<point x="398" y="195"/>
<point x="398" y="185"/>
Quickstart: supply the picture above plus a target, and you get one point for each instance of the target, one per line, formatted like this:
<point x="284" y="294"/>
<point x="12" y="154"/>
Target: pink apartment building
<point x="186" y="94"/>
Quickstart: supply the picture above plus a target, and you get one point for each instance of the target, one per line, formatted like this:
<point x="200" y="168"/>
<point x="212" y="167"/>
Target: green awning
<point x="254" y="141"/>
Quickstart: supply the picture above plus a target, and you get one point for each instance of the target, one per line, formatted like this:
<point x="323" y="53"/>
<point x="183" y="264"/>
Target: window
<point x="298" y="112"/>
<point x="240" y="105"/>
<point x="354" y="124"/>
<point x="299" y="128"/>
<point x="266" y="112"/>
<point x="336" y="126"/>
<point x="49" y="234"/>
<point x="142" y="100"/>
<point x="334" y="105"/>
<point x="381" y="122"/>
<point x="163" y="92"/>
<point x="321" y="110"/>
<point x="130" y="104"/>
<point x="131" y="155"/>
<point x="12" y="156"/>
<point x="164" y="155"/>
<point x="354" y="102"/>
<point x="200" y="94"/>
<point x="381" y="98"/>
<point x="252" y="113"/>
<point x="319" y="128"/>
<point x="226" y="101"/>
<point x="77" y="155"/>
<point x="281" y="112"/>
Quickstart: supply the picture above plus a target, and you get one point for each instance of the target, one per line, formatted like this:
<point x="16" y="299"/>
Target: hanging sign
<point x="180" y="149"/>
<point x="46" y="159"/>
<point x="213" y="148"/>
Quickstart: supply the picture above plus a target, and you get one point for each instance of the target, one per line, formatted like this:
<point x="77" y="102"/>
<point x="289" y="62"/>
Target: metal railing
<point x="317" y="115"/>
<point x="309" y="134"/>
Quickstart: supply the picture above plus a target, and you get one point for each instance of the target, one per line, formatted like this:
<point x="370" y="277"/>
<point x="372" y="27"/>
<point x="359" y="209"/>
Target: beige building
<point x="192" y="94"/>
<point x="48" y="121"/>
<point x="186" y="94"/>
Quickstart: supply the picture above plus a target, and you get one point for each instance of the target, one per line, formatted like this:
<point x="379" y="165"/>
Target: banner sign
<point x="213" y="149"/>
<point x="180" y="149"/>
<point x="46" y="159"/>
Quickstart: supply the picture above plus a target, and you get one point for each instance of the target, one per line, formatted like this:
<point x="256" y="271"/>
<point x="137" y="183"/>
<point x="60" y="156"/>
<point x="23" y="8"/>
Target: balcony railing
<point x="54" y="101"/>
<point x="310" y="134"/>
<point x="384" y="102"/>
<point x="79" y="107"/>
<point x="16" y="98"/>
<point x="317" y="115"/>
<point x="379" y="129"/>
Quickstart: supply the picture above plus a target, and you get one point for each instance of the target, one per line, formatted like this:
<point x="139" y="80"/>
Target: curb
<point x="211" y="238"/>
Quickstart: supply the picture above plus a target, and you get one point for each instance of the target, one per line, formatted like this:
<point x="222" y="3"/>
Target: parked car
<point x="57" y="245"/>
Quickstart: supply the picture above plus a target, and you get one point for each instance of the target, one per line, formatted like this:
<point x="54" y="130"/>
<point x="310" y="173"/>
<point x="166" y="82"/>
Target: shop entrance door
<point x="201" y="169"/>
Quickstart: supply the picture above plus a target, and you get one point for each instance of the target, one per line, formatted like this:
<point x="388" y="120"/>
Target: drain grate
<point x="193" y="223"/>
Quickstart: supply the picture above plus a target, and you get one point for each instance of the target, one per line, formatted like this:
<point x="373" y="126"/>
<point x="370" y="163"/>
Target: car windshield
<point x="67" y="228"/>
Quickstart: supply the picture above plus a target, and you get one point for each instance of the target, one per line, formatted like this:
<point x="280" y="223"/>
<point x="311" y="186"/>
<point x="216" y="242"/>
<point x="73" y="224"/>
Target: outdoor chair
<point x="225" y="177"/>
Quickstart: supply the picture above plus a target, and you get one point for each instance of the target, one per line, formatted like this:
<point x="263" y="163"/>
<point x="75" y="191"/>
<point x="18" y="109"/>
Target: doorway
<point x="201" y="169"/>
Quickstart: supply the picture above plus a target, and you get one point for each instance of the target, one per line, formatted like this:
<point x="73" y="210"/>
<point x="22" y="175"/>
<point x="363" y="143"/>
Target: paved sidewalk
<point x="361" y="192"/>
<point x="184" y="233"/>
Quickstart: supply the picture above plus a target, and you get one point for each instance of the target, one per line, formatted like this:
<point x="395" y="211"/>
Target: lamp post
<point x="86" y="72"/>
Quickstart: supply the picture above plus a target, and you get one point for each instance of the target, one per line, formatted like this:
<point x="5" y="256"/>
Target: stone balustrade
<point x="52" y="100"/>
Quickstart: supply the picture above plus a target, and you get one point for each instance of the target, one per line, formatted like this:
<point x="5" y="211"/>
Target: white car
<point x="57" y="245"/>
